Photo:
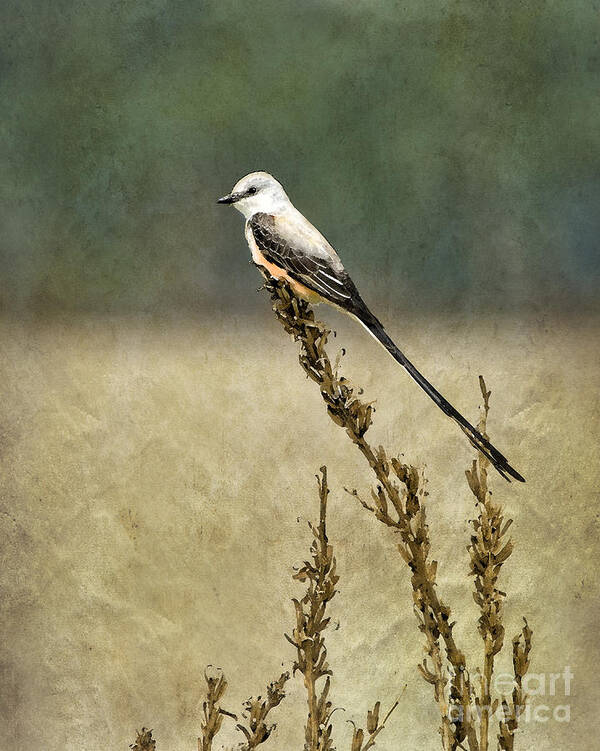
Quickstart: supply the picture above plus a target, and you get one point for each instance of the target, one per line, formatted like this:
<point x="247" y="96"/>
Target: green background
<point x="448" y="150"/>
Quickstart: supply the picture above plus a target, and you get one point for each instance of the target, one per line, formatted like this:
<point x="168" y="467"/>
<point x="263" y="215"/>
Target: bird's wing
<point x="306" y="258"/>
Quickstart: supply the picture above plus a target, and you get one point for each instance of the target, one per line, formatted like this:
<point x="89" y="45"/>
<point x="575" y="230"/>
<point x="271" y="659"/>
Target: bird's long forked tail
<point x="479" y="442"/>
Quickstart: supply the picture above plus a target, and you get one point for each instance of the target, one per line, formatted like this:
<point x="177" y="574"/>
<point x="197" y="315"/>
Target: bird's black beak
<point x="231" y="198"/>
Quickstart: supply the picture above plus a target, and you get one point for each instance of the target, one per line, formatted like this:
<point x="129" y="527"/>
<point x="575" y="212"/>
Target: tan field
<point x="157" y="477"/>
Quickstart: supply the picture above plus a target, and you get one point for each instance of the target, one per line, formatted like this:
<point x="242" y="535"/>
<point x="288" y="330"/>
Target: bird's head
<point x="256" y="193"/>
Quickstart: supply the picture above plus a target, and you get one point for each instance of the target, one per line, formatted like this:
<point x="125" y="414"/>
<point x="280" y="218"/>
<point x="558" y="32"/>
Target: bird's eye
<point x="252" y="190"/>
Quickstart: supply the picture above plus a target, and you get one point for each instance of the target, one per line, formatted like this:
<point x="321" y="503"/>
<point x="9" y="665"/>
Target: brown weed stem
<point x="398" y="501"/>
<point x="256" y="711"/>
<point x="311" y="621"/>
<point x="213" y="713"/>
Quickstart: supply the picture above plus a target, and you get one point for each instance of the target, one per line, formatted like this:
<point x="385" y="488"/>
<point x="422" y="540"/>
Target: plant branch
<point x="514" y="707"/>
<point x="256" y="711"/>
<point x="320" y="577"/>
<point x="144" y="741"/>
<point x="213" y="713"/>
<point x="374" y="727"/>
<point x="398" y="501"/>
<point x="489" y="551"/>
<point x="398" y="506"/>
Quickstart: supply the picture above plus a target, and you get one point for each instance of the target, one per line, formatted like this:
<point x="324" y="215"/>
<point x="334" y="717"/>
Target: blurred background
<point x="450" y="146"/>
<point x="158" y="439"/>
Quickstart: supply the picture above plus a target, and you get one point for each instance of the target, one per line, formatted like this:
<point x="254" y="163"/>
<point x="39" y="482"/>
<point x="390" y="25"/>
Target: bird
<point x="286" y="246"/>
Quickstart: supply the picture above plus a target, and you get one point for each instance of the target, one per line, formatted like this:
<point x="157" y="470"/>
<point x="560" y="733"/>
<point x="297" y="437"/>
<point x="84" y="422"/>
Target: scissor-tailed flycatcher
<point x="286" y="246"/>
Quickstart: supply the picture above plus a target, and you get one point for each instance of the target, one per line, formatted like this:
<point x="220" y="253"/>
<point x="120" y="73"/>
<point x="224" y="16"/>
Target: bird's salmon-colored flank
<point x="299" y="289"/>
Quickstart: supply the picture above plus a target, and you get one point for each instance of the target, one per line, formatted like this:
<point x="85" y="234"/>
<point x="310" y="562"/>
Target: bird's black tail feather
<point x="500" y="462"/>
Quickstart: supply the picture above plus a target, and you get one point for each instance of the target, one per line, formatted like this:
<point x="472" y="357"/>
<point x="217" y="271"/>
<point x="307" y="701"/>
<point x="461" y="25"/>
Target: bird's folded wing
<point x="303" y="261"/>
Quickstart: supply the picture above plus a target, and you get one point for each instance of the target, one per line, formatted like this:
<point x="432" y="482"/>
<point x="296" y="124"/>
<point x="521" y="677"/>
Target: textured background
<point x="158" y="439"/>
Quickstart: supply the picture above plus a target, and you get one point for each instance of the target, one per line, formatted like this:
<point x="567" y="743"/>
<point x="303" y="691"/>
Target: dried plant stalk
<point x="311" y="621"/>
<point x="144" y="741"/>
<point x="513" y="708"/>
<point x="308" y="639"/>
<point x="213" y="713"/>
<point x="489" y="551"/>
<point x="256" y="711"/>
<point x="362" y="741"/>
<point x="319" y="575"/>
<point x="398" y="502"/>
<point x="400" y="508"/>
